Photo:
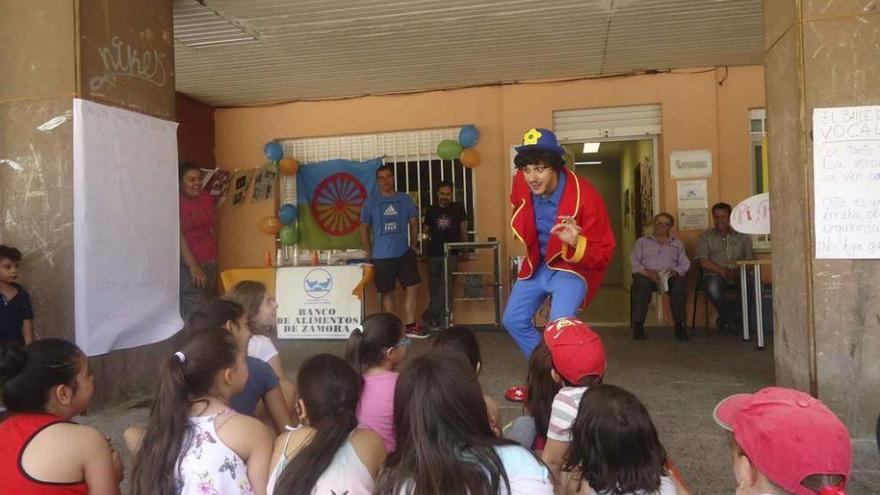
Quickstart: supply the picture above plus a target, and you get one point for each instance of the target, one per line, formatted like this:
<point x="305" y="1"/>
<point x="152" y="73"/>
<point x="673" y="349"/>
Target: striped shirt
<point x="564" y="412"/>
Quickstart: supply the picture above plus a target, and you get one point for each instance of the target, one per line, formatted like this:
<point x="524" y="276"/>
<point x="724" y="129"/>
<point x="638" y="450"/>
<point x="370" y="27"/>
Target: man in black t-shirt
<point x="444" y="222"/>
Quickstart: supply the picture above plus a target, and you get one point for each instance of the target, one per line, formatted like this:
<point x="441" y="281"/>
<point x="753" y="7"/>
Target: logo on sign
<point x="317" y="283"/>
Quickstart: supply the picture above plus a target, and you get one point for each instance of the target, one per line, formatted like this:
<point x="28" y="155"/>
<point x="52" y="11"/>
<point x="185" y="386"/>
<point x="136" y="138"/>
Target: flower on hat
<point x="531" y="137"/>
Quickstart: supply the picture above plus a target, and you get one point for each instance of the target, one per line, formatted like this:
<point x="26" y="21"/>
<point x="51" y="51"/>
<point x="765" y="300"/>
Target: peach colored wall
<point x="698" y="113"/>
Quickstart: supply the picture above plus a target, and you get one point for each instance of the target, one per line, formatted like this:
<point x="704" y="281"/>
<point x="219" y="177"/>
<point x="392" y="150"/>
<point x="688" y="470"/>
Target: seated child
<point x="261" y="310"/>
<point x="194" y="442"/>
<point x="328" y="454"/>
<point x="374" y="351"/>
<point x="543" y="385"/>
<point x="42" y="451"/>
<point x="16" y="313"/>
<point x="462" y="340"/>
<point x="615" y="448"/>
<point x="578" y="363"/>
<point x="262" y="383"/>
<point x="785" y="441"/>
<point x="445" y="443"/>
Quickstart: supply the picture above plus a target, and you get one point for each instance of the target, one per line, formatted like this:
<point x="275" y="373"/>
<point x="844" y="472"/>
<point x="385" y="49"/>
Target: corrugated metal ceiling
<point x="314" y="49"/>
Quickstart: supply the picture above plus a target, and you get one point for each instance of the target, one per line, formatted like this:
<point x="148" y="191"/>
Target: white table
<point x="744" y="297"/>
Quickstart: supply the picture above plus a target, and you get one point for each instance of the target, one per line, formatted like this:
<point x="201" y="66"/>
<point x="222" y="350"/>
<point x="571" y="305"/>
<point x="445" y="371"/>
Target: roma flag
<point x="329" y="196"/>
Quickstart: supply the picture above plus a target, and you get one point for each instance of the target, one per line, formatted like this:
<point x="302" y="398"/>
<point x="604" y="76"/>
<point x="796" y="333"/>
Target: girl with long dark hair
<point x="194" y="442"/>
<point x="374" y="350"/>
<point x="42" y="451"/>
<point x="614" y="446"/>
<point x="445" y="444"/>
<point x="531" y="430"/>
<point x="328" y="454"/>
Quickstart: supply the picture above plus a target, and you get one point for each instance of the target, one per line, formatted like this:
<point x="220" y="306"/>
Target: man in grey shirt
<point x="718" y="250"/>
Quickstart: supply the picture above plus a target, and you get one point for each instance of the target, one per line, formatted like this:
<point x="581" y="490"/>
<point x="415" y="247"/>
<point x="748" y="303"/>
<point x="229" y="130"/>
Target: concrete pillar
<point x="820" y="53"/>
<point x="117" y="53"/>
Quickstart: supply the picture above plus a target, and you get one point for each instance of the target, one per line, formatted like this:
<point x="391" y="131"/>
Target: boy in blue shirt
<point x="389" y="226"/>
<point x="16" y="313"/>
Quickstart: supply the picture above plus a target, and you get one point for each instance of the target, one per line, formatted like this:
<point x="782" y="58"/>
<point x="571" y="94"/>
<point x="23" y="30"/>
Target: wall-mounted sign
<point x="693" y="219"/>
<point x="690" y="164"/>
<point x="846" y="182"/>
<point x="752" y="215"/>
<point x="692" y="194"/>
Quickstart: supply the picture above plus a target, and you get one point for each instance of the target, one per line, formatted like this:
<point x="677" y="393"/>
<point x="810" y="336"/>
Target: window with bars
<point x="413" y="154"/>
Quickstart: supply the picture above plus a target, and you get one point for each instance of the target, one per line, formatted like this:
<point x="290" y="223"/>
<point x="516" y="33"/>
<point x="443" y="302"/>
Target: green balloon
<point x="449" y="149"/>
<point x="288" y="235"/>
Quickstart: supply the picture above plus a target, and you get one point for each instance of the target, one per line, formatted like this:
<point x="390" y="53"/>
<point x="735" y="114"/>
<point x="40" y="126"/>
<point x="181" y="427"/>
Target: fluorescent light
<point x="591" y="147"/>
<point x="588" y="163"/>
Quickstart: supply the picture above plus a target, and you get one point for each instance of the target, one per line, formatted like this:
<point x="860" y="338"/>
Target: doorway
<point x="623" y="171"/>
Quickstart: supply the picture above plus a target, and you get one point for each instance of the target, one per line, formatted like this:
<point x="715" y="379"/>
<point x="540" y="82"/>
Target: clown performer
<point x="562" y="220"/>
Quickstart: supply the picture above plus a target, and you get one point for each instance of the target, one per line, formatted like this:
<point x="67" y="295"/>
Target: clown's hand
<point x="567" y="231"/>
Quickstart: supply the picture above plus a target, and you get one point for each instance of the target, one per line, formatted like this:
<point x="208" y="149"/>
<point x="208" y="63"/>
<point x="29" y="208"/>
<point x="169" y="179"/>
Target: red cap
<point x="788" y="435"/>
<point x="577" y="351"/>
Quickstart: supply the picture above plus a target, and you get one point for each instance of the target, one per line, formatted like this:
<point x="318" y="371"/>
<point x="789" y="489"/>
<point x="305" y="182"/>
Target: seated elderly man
<point x="718" y="249"/>
<point x="659" y="261"/>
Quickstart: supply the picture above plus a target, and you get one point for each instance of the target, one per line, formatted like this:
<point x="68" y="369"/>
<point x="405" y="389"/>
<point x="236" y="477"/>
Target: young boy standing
<point x="16" y="313"/>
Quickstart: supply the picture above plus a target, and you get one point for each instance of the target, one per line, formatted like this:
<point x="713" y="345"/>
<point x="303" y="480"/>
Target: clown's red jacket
<point x="596" y="243"/>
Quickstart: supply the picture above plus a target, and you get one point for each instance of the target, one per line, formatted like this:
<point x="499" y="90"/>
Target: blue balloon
<point x="468" y="136"/>
<point x="287" y="213"/>
<point x="273" y="151"/>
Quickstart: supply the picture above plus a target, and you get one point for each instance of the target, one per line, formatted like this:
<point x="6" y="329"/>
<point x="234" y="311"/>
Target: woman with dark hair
<point x="198" y="246"/>
<point x="42" y="451"/>
<point x="615" y="448"/>
<point x="374" y="350"/>
<point x="328" y="454"/>
<point x="444" y="441"/>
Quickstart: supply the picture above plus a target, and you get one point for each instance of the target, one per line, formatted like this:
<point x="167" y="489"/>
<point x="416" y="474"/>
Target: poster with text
<point x="846" y="182"/>
<point x="126" y="231"/>
<point x="696" y="219"/>
<point x="316" y="302"/>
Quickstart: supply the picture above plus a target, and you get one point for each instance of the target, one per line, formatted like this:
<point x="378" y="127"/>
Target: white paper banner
<point x="846" y="181"/>
<point x="126" y="230"/>
<point x="315" y="302"/>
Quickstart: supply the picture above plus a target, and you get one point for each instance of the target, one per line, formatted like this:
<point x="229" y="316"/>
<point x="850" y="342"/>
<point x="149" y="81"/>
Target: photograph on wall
<point x="241" y="179"/>
<point x="215" y="182"/>
<point x="264" y="184"/>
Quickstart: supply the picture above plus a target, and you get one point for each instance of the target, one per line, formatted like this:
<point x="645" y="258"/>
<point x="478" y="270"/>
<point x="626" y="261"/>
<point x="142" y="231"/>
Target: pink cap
<point x="787" y="435"/>
<point x="577" y="351"/>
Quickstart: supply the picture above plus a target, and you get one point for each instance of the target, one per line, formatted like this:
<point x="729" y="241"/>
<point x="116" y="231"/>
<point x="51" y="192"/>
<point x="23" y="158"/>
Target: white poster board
<point x="697" y="219"/>
<point x="846" y="182"/>
<point x="126" y="230"/>
<point x="752" y="215"/>
<point x="690" y="164"/>
<point x="315" y="302"/>
<point x="692" y="194"/>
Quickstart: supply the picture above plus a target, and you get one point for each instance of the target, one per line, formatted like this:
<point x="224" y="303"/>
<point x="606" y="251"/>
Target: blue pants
<point x="568" y="291"/>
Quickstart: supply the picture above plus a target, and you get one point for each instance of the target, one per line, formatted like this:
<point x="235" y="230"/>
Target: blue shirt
<point x="261" y="379"/>
<point x="388" y="218"/>
<point x="545" y="212"/>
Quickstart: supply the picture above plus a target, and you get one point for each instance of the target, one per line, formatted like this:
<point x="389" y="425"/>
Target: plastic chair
<point x="266" y="275"/>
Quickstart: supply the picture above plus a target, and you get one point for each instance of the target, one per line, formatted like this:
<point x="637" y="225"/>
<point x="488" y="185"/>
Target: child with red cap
<point x="786" y="441"/>
<point x="578" y="363"/>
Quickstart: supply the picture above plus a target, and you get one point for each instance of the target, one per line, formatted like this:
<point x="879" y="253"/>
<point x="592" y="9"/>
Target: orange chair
<point x="266" y="275"/>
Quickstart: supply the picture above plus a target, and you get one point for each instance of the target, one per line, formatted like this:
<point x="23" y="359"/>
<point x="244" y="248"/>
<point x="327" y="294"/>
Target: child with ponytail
<point x="374" y="350"/>
<point x="194" y="442"/>
<point x="328" y="454"/>
<point x="41" y="450"/>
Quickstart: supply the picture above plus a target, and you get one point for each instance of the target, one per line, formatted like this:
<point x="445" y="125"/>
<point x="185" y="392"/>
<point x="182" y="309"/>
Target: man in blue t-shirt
<point x="389" y="222"/>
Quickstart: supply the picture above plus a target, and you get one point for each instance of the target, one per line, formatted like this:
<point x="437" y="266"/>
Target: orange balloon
<point x="470" y="158"/>
<point x="270" y="225"/>
<point x="288" y="165"/>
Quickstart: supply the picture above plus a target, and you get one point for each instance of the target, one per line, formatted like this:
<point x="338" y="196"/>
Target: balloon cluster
<point x="463" y="149"/>
<point x="283" y="225"/>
